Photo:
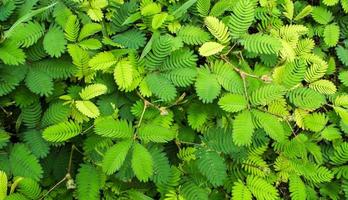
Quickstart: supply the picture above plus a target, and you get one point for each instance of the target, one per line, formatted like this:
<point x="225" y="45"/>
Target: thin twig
<point x="87" y="129"/>
<point x="67" y="176"/>
<point x="142" y="113"/>
<point x="245" y="88"/>
<point x="225" y="54"/>
<point x="54" y="187"/>
<point x="182" y="142"/>
<point x="239" y="70"/>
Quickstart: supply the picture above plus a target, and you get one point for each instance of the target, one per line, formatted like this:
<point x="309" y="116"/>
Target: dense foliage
<point x="173" y="99"/>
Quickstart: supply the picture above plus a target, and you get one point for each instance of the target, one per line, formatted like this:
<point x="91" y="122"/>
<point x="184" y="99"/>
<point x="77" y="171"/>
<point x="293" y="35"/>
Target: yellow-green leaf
<point x="88" y="108"/>
<point x="210" y="48"/>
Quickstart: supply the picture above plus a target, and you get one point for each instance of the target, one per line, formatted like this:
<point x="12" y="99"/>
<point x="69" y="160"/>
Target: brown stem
<point x="67" y="176"/>
<point x="239" y="70"/>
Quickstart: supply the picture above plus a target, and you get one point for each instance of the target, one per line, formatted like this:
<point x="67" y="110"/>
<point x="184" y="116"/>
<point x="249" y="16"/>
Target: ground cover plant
<point x="173" y="99"/>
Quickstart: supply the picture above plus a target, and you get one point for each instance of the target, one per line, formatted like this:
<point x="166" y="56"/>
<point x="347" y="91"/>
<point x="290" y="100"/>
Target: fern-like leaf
<point x="323" y="87"/>
<point x="341" y="154"/>
<point x="155" y="133"/>
<point x="207" y="86"/>
<point x="108" y="127"/>
<point x="322" y="15"/>
<point x="29" y="188"/>
<point x="297" y="188"/>
<point x="306" y="98"/>
<point x="342" y="54"/>
<point x="210" y="48"/>
<point x="88" y="183"/>
<point x="61" y="132"/>
<point x="241" y="19"/>
<point x="11" y="54"/>
<point x="161" y="87"/>
<point x="240" y="192"/>
<point x="3" y="185"/>
<point x="27" y="34"/>
<point x="243" y="129"/>
<point x="115" y="156"/>
<point x="72" y="28"/>
<point x="331" y="35"/>
<point x="54" y="41"/>
<point x="233" y="102"/>
<point x="193" y="35"/>
<point x="266" y="94"/>
<point x="218" y="29"/>
<point x="133" y="39"/>
<point x="203" y="7"/>
<point x="262" y="44"/>
<point x="92" y="91"/>
<point x="38" y="146"/>
<point x="87" y="108"/>
<point x="261" y="189"/>
<point x="142" y="163"/>
<point x="36" y="78"/>
<point x="23" y="163"/>
<point x="212" y="166"/>
<point x="270" y="124"/>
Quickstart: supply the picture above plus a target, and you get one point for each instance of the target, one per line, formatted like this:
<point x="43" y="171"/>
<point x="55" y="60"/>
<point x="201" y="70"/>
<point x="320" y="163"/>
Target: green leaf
<point x="343" y="113"/>
<point x="270" y="124"/>
<point x="210" y="48"/>
<point x="183" y="8"/>
<point x="342" y="54"/>
<point x="11" y="54"/>
<point x="89" y="30"/>
<point x="142" y="163"/>
<point x="297" y="188"/>
<point x="109" y="127"/>
<point x="266" y="94"/>
<point x="331" y="35"/>
<point x="36" y="79"/>
<point x="241" y="19"/>
<point x="218" y="29"/>
<point x="92" y="91"/>
<point x="330" y="2"/>
<point x="155" y="133"/>
<point x="243" y="129"/>
<point x="72" y="28"/>
<point x="261" y="189"/>
<point x="161" y="87"/>
<point x="158" y="20"/>
<point x="240" y="192"/>
<point x="4" y="138"/>
<point x="115" y="156"/>
<point x="212" y="166"/>
<point x="61" y="132"/>
<point x="27" y="34"/>
<point x="315" y="122"/>
<point x="304" y="12"/>
<point x="233" y="102"/>
<point x="322" y="15"/>
<point x="203" y="7"/>
<point x="88" y="183"/>
<point x="207" y="86"/>
<point x="29" y="188"/>
<point x="124" y="74"/>
<point x="87" y="108"/>
<point x="133" y="39"/>
<point x="3" y="185"/>
<point x="262" y="44"/>
<point x="193" y="35"/>
<point x="25" y="164"/>
<point x="102" y="61"/>
<point x="54" y="41"/>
